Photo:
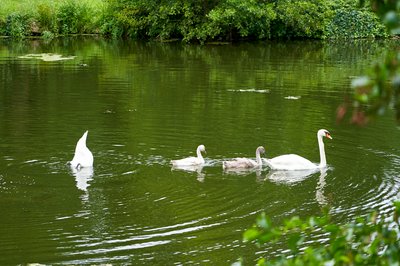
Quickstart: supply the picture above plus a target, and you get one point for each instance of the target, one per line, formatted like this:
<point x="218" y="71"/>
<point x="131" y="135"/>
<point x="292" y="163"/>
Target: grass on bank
<point x="19" y="18"/>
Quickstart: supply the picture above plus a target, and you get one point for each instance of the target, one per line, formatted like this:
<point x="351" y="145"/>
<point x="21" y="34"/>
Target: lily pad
<point x="47" y="57"/>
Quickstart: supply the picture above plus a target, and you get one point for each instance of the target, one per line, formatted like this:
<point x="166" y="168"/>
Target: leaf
<point x="251" y="234"/>
<point x="294" y="241"/>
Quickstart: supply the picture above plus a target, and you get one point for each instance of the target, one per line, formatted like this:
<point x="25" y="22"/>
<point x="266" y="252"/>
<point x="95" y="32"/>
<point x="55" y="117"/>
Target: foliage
<point x="208" y="20"/>
<point x="73" y="18"/>
<point x="47" y="35"/>
<point x="380" y="90"/>
<point x="366" y="241"/>
<point x="304" y="18"/>
<point x="241" y="18"/>
<point x="24" y="18"/>
<point x="17" y="25"/>
<point x="193" y="20"/>
<point x="353" y="23"/>
<point x="46" y="17"/>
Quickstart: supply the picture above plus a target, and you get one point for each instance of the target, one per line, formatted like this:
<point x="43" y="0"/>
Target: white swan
<point x="83" y="157"/>
<point x="296" y="162"/>
<point x="191" y="160"/>
<point x="245" y="162"/>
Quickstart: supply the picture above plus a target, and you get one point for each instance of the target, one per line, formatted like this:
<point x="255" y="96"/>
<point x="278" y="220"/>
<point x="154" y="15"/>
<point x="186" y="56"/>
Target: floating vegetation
<point x="47" y="57"/>
<point x="251" y="90"/>
<point x="292" y="97"/>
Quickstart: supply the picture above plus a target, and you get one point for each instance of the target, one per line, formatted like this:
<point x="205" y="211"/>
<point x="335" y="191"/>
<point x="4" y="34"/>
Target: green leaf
<point x="251" y="234"/>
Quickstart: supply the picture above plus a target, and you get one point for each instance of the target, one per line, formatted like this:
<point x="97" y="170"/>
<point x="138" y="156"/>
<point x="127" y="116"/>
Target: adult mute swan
<point x="83" y="157"/>
<point x="191" y="160"/>
<point x="245" y="162"/>
<point x="296" y="162"/>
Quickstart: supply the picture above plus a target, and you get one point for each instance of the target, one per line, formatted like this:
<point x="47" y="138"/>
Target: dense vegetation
<point x="191" y="21"/>
<point x="366" y="241"/>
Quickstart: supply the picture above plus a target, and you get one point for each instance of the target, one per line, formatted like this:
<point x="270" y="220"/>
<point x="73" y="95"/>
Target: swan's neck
<point x="258" y="157"/>
<point x="321" y="152"/>
<point x="199" y="154"/>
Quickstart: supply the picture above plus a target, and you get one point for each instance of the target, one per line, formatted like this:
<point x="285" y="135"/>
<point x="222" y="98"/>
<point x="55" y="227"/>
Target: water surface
<point x="145" y="104"/>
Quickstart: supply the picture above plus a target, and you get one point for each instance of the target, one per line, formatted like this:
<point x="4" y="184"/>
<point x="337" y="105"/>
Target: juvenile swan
<point x="191" y="160"/>
<point x="245" y="162"/>
<point x="296" y="162"/>
<point x="83" y="157"/>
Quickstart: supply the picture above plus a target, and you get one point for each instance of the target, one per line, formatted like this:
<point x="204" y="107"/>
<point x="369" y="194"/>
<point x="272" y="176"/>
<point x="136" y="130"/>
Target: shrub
<point x="366" y="241"/>
<point x="233" y="18"/>
<point x="47" y="35"/>
<point x="3" y="26"/>
<point x="46" y="16"/>
<point x="127" y="18"/>
<point x="73" y="18"/>
<point x="353" y="23"/>
<point x="302" y="19"/>
<point x="17" y="25"/>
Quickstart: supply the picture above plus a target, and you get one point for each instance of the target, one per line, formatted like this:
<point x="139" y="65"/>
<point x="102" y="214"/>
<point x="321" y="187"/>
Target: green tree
<point x="221" y="20"/>
<point x="304" y="18"/>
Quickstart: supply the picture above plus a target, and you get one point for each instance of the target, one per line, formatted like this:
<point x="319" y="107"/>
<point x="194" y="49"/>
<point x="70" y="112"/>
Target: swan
<point x="191" y="160"/>
<point x="296" y="162"/>
<point x="245" y="162"/>
<point x="83" y="157"/>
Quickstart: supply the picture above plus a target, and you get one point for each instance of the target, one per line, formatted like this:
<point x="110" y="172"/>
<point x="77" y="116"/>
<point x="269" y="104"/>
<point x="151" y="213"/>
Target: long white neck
<point x="199" y="154"/>
<point x="258" y="157"/>
<point x="321" y="152"/>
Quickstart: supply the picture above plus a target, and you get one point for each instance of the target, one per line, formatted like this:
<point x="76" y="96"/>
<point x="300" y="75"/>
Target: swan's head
<point x="261" y="149"/>
<point x="201" y="148"/>
<point x="324" y="133"/>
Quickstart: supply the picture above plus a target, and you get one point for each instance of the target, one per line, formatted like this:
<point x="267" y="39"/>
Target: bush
<point x="73" y="18"/>
<point x="236" y="18"/>
<point x="352" y="23"/>
<point x="366" y="241"/>
<point x="46" y="16"/>
<point x="302" y="19"/>
<point x="127" y="18"/>
<point x="17" y="25"/>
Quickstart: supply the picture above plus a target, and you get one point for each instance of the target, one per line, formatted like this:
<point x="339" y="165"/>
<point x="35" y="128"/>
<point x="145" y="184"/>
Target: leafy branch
<point x="366" y="241"/>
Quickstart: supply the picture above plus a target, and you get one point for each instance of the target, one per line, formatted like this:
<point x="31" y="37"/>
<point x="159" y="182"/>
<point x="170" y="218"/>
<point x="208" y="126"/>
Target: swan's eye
<point x="328" y="135"/>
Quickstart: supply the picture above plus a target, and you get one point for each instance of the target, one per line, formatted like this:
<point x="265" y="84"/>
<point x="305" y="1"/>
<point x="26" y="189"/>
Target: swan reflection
<point x="82" y="177"/>
<point x="319" y="194"/>
<point x="243" y="171"/>
<point x="290" y="177"/>
<point x="192" y="169"/>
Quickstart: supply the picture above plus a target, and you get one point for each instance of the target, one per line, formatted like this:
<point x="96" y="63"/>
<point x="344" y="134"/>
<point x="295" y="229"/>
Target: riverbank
<point x="198" y="21"/>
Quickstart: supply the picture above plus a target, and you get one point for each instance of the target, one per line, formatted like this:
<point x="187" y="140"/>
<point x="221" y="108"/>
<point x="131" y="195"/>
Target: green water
<point x="145" y="104"/>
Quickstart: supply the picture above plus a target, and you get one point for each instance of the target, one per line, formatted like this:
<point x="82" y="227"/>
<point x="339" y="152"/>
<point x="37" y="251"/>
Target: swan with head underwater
<point x="191" y="161"/>
<point x="245" y="163"/>
<point x="296" y="162"/>
<point x="83" y="156"/>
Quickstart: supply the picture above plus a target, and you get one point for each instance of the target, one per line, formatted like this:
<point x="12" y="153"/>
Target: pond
<point x="146" y="104"/>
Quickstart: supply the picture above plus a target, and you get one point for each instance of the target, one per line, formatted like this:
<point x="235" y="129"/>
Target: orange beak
<point x="328" y="136"/>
